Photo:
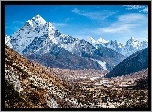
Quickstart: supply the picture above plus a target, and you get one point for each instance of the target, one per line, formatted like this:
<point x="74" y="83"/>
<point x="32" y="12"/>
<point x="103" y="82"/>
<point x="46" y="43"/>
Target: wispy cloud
<point x="115" y="29"/>
<point x="132" y="18"/>
<point x="129" y="7"/>
<point x="145" y="10"/>
<point x="18" y="22"/>
<point x="124" y="27"/>
<point x="125" y="23"/>
<point x="141" y="8"/>
<point x="59" y="24"/>
<point x="12" y="28"/>
<point x="96" y="15"/>
<point x="67" y="19"/>
<point x="76" y="10"/>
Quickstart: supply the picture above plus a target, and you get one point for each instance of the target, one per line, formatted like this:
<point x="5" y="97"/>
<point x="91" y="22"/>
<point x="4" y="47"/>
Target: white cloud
<point x="125" y="23"/>
<point x="67" y="19"/>
<point x="129" y="7"/>
<point x="75" y="10"/>
<point x="124" y="27"/>
<point x="141" y="8"/>
<point x="132" y="18"/>
<point x="145" y="10"/>
<point x="116" y="29"/>
<point x="96" y="15"/>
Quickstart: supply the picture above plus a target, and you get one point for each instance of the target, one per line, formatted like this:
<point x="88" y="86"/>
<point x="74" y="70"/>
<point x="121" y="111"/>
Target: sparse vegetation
<point x="44" y="87"/>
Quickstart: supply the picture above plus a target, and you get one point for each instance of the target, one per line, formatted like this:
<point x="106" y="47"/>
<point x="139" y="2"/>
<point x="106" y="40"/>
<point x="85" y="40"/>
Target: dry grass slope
<point x="31" y="85"/>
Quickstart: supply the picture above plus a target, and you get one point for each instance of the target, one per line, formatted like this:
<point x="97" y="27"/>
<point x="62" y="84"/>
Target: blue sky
<point x="111" y="22"/>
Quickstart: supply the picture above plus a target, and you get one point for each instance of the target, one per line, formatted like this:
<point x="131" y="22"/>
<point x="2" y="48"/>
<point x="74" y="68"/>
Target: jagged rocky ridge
<point x="130" y="47"/>
<point x="37" y="38"/>
<point x="134" y="63"/>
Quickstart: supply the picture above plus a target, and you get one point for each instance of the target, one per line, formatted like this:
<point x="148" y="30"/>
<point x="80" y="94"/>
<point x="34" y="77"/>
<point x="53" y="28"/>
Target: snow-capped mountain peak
<point x="133" y="42"/>
<point x="101" y="40"/>
<point x="91" y="40"/>
<point x="132" y="38"/>
<point x="33" y="28"/>
<point x="36" y="21"/>
<point x="131" y="46"/>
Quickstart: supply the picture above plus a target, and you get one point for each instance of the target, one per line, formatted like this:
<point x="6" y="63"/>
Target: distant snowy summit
<point x="131" y="46"/>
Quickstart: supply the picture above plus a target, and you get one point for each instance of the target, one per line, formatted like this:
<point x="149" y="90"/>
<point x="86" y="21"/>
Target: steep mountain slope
<point x="133" y="63"/>
<point x="34" y="85"/>
<point x="36" y="27"/>
<point x="30" y="85"/>
<point x="38" y="39"/>
<point x="60" y="58"/>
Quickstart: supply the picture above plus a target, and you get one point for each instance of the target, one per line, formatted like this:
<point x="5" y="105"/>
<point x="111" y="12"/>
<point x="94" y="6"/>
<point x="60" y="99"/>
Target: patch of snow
<point x="91" y="40"/>
<point x="101" y="40"/>
<point x="102" y="64"/>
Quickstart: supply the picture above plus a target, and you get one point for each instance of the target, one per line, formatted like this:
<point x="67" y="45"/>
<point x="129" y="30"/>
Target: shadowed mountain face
<point x="133" y="63"/>
<point x="61" y="58"/>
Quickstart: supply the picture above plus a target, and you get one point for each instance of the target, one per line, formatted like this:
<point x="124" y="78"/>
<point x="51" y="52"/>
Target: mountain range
<point x="37" y="39"/>
<point x="131" y="46"/>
